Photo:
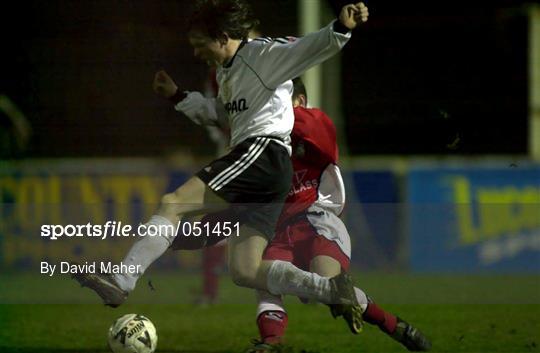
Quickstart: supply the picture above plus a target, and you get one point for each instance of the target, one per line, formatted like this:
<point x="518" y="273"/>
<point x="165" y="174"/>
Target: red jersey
<point x="314" y="148"/>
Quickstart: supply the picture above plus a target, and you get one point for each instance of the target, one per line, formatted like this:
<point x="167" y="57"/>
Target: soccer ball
<point x="132" y="333"/>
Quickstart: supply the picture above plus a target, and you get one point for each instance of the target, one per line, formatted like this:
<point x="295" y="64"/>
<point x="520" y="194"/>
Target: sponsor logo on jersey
<point x="236" y="106"/>
<point x="300" y="185"/>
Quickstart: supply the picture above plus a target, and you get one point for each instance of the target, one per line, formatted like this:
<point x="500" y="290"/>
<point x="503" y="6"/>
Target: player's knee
<point x="243" y="277"/>
<point x="325" y="266"/>
<point x="170" y="206"/>
<point x="177" y="198"/>
<point x="169" y="199"/>
<point x="174" y="200"/>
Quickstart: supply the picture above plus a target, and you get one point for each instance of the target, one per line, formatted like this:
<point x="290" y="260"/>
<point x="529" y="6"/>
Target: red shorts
<point x="299" y="243"/>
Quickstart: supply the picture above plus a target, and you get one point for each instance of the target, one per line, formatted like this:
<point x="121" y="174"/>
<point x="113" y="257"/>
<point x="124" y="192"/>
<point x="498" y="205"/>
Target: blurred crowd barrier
<point x="429" y="217"/>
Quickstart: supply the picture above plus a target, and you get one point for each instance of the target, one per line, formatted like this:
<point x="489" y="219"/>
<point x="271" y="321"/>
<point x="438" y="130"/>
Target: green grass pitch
<point x="459" y="314"/>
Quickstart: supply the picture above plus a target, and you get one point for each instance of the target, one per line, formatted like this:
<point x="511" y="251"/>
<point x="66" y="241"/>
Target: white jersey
<point x="255" y="87"/>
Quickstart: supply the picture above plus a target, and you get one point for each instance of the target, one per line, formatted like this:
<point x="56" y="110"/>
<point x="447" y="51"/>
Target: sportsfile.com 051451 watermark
<point x="118" y="229"/>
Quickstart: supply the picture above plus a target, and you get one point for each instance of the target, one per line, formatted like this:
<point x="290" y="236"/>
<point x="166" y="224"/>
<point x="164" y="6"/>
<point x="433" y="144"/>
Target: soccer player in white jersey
<point x="255" y="88"/>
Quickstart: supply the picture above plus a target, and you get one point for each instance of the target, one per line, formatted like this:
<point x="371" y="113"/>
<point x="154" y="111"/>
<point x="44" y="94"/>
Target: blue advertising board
<point x="373" y="219"/>
<point x="477" y="218"/>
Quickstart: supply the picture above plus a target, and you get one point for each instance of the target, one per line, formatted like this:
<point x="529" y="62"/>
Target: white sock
<point x="362" y="298"/>
<point x="145" y="251"/>
<point x="285" y="278"/>
<point x="267" y="301"/>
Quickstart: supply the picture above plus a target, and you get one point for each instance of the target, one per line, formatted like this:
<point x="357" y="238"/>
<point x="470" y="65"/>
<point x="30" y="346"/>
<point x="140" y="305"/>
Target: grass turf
<point x="459" y="314"/>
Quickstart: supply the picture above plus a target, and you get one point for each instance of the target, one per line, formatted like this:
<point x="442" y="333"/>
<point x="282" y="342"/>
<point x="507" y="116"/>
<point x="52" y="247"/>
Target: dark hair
<point x="215" y="17"/>
<point x="298" y="88"/>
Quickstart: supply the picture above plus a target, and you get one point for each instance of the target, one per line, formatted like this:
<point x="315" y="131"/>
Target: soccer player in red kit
<point x="310" y="234"/>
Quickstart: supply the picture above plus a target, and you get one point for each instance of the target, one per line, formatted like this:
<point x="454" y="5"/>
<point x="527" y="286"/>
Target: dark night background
<point x="414" y="78"/>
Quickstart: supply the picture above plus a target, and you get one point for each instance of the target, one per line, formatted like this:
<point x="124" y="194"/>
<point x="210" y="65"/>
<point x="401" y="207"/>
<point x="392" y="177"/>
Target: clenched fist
<point x="164" y="85"/>
<point x="353" y="14"/>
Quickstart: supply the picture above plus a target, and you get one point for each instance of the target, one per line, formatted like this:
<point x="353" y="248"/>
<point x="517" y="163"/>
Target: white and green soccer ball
<point x="132" y="333"/>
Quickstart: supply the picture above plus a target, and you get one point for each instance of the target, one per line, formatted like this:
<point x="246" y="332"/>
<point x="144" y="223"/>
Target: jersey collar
<point x="230" y="62"/>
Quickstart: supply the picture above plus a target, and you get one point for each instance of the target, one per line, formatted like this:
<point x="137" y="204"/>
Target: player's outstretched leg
<point x="283" y="278"/>
<point x="393" y="326"/>
<point x="337" y="292"/>
<point x="114" y="289"/>
<point x="104" y="285"/>
<point x="411" y="337"/>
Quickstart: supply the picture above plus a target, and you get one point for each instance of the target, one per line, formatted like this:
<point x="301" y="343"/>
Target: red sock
<point x="212" y="262"/>
<point x="377" y="316"/>
<point x="272" y="325"/>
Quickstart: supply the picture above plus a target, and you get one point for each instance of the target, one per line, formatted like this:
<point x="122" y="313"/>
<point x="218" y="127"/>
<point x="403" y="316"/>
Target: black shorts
<point x="254" y="178"/>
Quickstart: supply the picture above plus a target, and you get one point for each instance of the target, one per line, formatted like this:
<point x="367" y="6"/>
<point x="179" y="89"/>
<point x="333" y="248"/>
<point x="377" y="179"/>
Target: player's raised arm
<point x="164" y="85"/>
<point x="282" y="60"/>
<point x="353" y="14"/>
<point x="194" y="105"/>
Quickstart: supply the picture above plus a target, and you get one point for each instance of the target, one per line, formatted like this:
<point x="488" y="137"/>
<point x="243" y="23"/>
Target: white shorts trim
<point x="240" y="165"/>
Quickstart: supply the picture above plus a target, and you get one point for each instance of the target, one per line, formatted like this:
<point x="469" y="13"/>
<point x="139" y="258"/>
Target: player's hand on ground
<point x="353" y="14"/>
<point x="164" y="85"/>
